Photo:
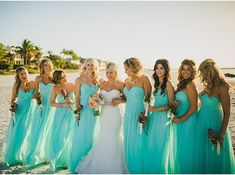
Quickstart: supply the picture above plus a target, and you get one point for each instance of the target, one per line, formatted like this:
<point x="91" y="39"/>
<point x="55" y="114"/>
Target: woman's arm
<point x="37" y="80"/>
<point x="13" y="94"/>
<point x="53" y="103"/>
<point x="225" y="102"/>
<point x="147" y="87"/>
<point x="77" y="92"/>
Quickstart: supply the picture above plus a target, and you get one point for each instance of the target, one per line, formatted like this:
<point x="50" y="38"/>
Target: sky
<point x="117" y="30"/>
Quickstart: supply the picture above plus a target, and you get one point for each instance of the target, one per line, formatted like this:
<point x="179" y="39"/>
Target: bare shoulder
<point x="102" y="83"/>
<point x="221" y="89"/>
<point x="145" y="78"/>
<point x="38" y="78"/>
<point x="78" y="80"/>
<point x="191" y="87"/>
<point x="120" y="84"/>
<point x="169" y="84"/>
<point x="32" y="84"/>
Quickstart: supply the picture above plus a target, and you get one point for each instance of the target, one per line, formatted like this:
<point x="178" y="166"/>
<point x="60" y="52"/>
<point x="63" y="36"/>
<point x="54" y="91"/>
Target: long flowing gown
<point x="37" y="143"/>
<point x="207" y="160"/>
<point x="106" y="156"/>
<point x="17" y="128"/>
<point x="60" y="134"/>
<point x="84" y="134"/>
<point x="134" y="142"/>
<point x="184" y="137"/>
<point x="157" y="154"/>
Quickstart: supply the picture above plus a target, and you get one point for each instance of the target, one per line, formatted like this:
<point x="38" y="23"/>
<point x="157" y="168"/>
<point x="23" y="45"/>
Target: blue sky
<point x="118" y="30"/>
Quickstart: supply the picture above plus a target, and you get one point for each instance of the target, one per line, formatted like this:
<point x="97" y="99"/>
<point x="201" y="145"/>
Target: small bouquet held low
<point x="95" y="101"/>
<point x="13" y="109"/>
<point x="39" y="101"/>
<point x="171" y="113"/>
<point x="213" y="140"/>
<point x="77" y="112"/>
<point x="142" y="118"/>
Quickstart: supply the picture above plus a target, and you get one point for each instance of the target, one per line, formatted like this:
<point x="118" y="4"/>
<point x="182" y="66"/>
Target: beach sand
<point x="5" y="94"/>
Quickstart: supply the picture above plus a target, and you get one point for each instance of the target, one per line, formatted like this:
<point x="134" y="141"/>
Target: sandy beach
<point x="5" y="94"/>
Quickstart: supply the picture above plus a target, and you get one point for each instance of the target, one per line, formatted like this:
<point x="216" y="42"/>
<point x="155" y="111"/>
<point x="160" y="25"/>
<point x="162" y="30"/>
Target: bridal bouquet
<point x="77" y="112"/>
<point x="171" y="113"/>
<point x="39" y="102"/>
<point x="95" y="101"/>
<point x="213" y="140"/>
<point x="13" y="109"/>
<point x="142" y="118"/>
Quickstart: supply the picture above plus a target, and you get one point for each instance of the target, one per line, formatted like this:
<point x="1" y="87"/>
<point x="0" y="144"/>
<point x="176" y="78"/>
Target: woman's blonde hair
<point x="17" y="77"/>
<point x="211" y="75"/>
<point x="113" y="67"/>
<point x="192" y="67"/>
<point x="41" y="66"/>
<point x="134" y="65"/>
<point x="95" y="74"/>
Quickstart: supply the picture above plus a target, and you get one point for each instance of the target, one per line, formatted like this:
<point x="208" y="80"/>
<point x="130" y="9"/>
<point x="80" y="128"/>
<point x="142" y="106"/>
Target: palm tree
<point x="36" y="53"/>
<point x="71" y="53"/>
<point x="26" y="50"/>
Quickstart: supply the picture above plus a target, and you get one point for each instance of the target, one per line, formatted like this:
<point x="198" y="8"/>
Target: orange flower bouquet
<point x="95" y="101"/>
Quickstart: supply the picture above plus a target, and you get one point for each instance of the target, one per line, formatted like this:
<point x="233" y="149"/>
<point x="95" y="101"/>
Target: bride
<point x="106" y="156"/>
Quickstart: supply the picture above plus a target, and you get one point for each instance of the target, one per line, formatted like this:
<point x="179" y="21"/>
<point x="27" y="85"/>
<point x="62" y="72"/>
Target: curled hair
<point x="57" y="76"/>
<point x="134" y="65"/>
<point x="17" y="77"/>
<point x="166" y="66"/>
<point x="95" y="73"/>
<point x="113" y="67"/>
<point x="211" y="76"/>
<point x="41" y="65"/>
<point x="183" y="82"/>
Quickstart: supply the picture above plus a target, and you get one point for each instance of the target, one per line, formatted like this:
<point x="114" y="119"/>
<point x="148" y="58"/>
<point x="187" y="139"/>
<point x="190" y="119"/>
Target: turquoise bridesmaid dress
<point x="84" y="134"/>
<point x="184" y="137"/>
<point x="37" y="144"/>
<point x="157" y="158"/>
<point x="60" y="132"/>
<point x="207" y="160"/>
<point x="17" y="128"/>
<point x="133" y="141"/>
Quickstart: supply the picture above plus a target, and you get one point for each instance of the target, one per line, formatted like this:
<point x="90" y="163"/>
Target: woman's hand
<point x="69" y="100"/>
<point x="115" y="102"/>
<point x="220" y="139"/>
<point x="176" y="120"/>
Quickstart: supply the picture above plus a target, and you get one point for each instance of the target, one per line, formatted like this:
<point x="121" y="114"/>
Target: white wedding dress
<point x="106" y="156"/>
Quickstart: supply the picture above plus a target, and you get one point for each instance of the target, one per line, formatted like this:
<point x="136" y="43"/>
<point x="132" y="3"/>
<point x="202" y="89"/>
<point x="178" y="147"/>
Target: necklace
<point x="132" y="82"/>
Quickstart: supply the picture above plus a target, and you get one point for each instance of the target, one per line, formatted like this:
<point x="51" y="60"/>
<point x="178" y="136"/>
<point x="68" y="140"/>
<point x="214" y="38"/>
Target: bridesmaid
<point x="37" y="144"/>
<point x="185" y="120"/>
<point x="158" y="140"/>
<point x="137" y="87"/>
<point x="62" y="98"/>
<point x="84" y="133"/>
<point x="22" y="94"/>
<point x="214" y="114"/>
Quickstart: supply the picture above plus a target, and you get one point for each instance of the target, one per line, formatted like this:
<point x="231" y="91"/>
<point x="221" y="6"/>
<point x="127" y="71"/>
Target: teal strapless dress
<point x="134" y="143"/>
<point x="184" y="137"/>
<point x="37" y="144"/>
<point x="157" y="154"/>
<point x="207" y="160"/>
<point x="17" y="129"/>
<point x="61" y="129"/>
<point x="83" y="136"/>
